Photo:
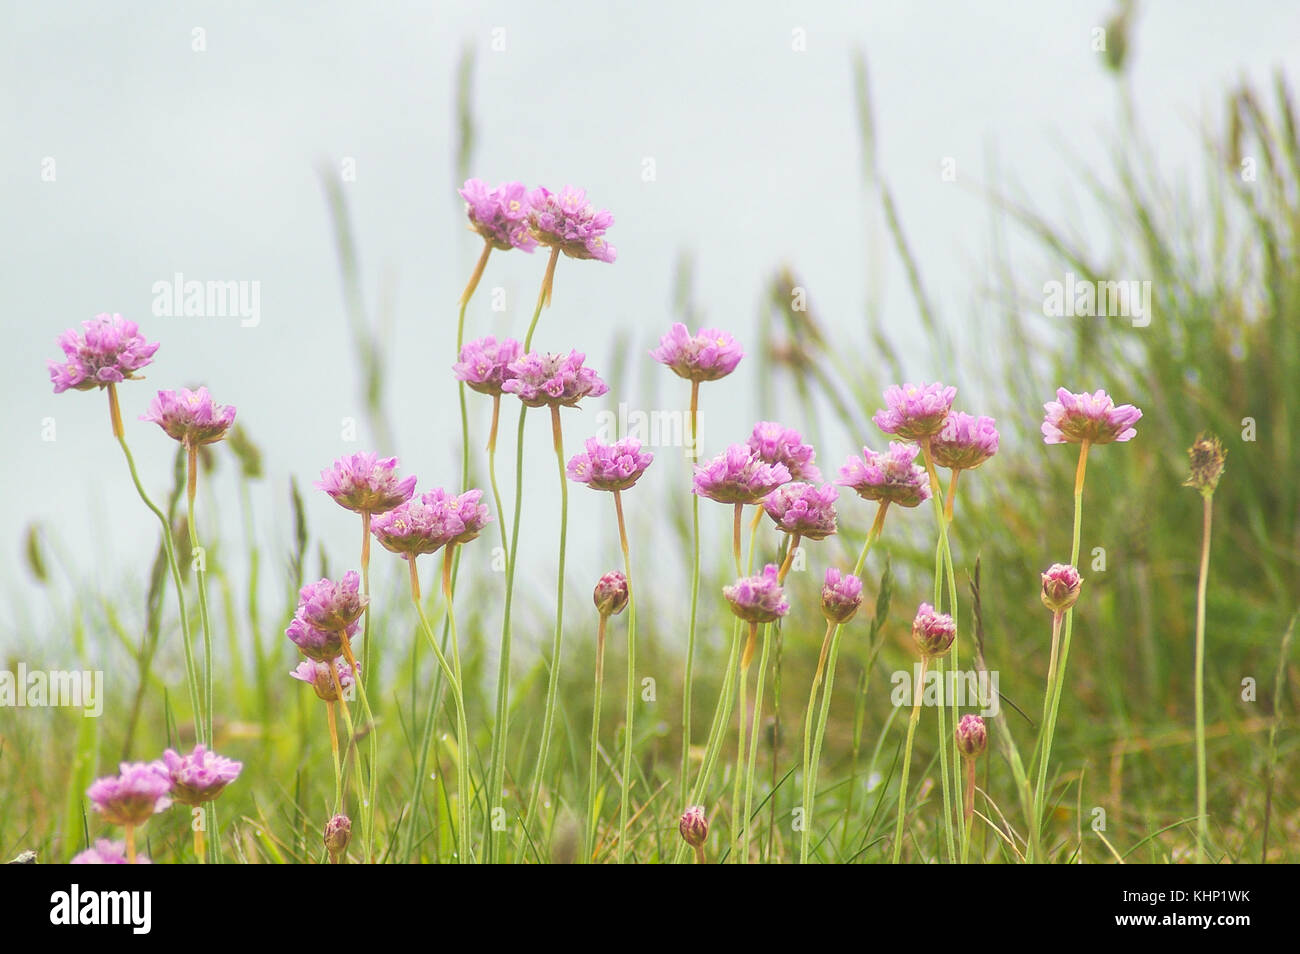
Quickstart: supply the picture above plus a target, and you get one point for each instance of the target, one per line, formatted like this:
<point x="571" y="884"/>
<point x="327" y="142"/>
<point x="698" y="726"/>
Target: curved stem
<point x="810" y="776"/>
<point x="169" y="549"/>
<point x="462" y="757"/>
<point x="628" y="734"/>
<point x="553" y="681"/>
<point x="692" y="454"/>
<point x="464" y="744"/>
<point x="907" y="761"/>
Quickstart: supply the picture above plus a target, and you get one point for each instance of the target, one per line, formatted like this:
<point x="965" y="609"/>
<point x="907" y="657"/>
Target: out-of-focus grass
<point x="1224" y="346"/>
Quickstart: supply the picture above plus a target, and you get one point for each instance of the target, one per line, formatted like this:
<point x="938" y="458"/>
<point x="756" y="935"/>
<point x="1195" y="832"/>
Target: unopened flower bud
<point x="694" y="827"/>
<point x="972" y="736"/>
<point x="338" y="832"/>
<point x="610" y="595"/>
<point x="1061" y="587"/>
<point x="934" y="632"/>
<point x="841" y="596"/>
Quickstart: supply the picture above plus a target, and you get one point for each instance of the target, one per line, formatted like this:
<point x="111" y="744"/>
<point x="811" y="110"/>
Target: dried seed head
<point x="1206" y="464"/>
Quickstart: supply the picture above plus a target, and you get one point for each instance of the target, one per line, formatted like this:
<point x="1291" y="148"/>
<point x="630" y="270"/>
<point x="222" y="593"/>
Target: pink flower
<point x="804" y="509"/>
<point x="330" y="605"/>
<point x="933" y="632"/>
<point x="500" y="215"/>
<point x="313" y="642"/>
<point x="200" y="776"/>
<point x="757" y="599"/>
<point x="431" y="522"/>
<point x="553" y="379"/>
<point x="707" y="356"/>
<point x="1074" y="418"/>
<point x="107" y="852"/>
<point x="914" y="411"/>
<point x="484" y="363"/>
<point x="317" y="674"/>
<point x="841" y="596"/>
<point x="133" y="796"/>
<point x="888" y="477"/>
<point x="1061" y="585"/>
<point x="364" y="483"/>
<point x="190" y="417"/>
<point x="616" y="466"/>
<point x="738" y="476"/>
<point x="610" y="594"/>
<point x="108" y="350"/>
<point x="972" y="736"/>
<point x="777" y="444"/>
<point x="965" y="442"/>
<point x="570" y="223"/>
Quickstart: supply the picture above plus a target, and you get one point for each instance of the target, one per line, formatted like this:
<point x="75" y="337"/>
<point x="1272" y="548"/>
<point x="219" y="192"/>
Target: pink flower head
<point x="107" y="852"/>
<point x="430" y="522"/>
<point x="739" y="476"/>
<point x="191" y="417"/>
<point x="972" y="736"/>
<point x="890" y="476"/>
<point x="337" y="834"/>
<point x="500" y="215"/>
<point x="965" y="442"/>
<point x="317" y="675"/>
<point x="330" y="605"/>
<point x="615" y="466"/>
<point x="1074" y="418"/>
<point x="313" y="642"/>
<point x="364" y="483"/>
<point x="1061" y="585"/>
<point x="757" y="599"/>
<point x="569" y="222"/>
<point x="200" y="776"/>
<point x="694" y="826"/>
<point x="804" y="509"/>
<point x="707" y="356"/>
<point x="611" y="593"/>
<point x="841" y="596"/>
<point x="934" y="632"/>
<point x="108" y="350"/>
<point x="133" y="796"/>
<point x="777" y="444"/>
<point x="484" y="363"/>
<point x="552" y="379"/>
<point x="914" y="411"/>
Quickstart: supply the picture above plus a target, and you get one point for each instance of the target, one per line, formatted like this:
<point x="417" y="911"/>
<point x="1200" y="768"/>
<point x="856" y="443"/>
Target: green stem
<point x="201" y="577"/>
<point x="814" y="764"/>
<point x="753" y="744"/>
<point x="947" y="743"/>
<point x="500" y="735"/>
<point x="169" y="548"/>
<point x="366" y="673"/>
<point x="1049" y="728"/>
<point x="737" y="804"/>
<point x="692" y="454"/>
<point x="1202" y="819"/>
<point x="628" y="735"/>
<point x="593" y="765"/>
<point x="462" y="742"/>
<point x="553" y="681"/>
<point x="907" y="761"/>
